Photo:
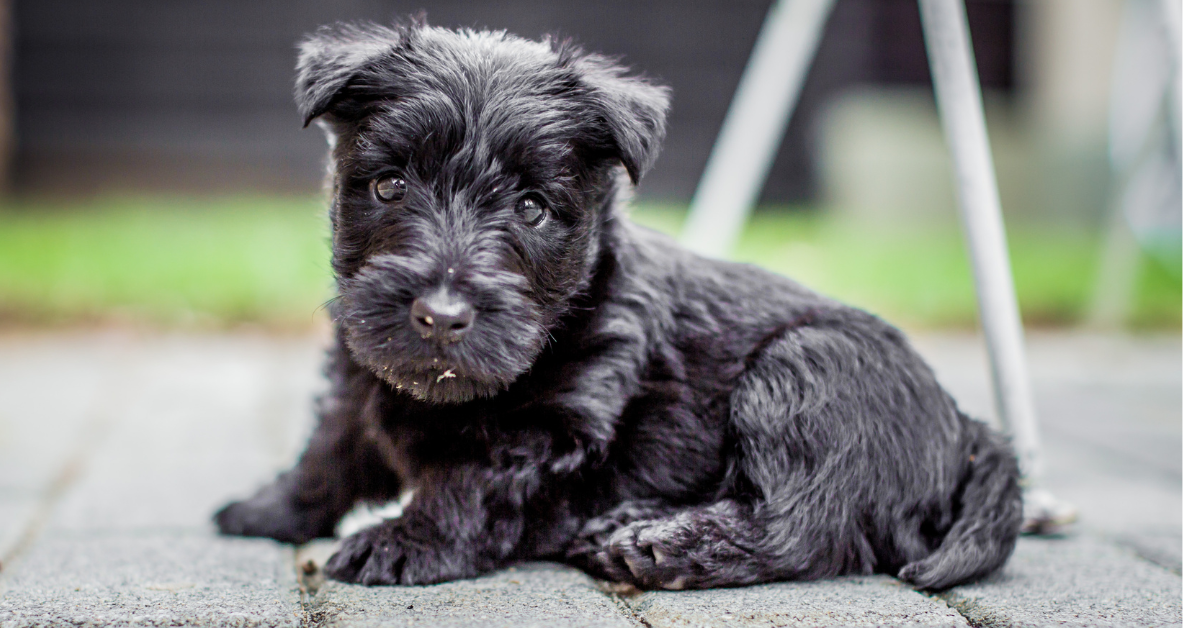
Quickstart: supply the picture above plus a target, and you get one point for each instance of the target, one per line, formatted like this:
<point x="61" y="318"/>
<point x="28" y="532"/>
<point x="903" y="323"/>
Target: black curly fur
<point x="649" y="415"/>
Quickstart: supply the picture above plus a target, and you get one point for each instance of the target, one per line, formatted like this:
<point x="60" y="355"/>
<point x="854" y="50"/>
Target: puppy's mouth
<point x="439" y="380"/>
<point x="375" y="309"/>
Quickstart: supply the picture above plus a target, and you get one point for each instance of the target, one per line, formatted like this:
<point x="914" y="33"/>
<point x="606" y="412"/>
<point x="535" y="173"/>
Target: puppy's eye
<point x="532" y="211"/>
<point x="389" y="189"/>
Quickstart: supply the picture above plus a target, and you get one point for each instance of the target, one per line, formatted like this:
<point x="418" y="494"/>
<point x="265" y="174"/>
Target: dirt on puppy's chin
<point x="443" y="386"/>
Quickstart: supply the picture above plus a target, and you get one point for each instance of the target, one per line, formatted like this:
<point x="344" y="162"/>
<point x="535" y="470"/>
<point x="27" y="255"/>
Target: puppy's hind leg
<point x="681" y="548"/>
<point x="989" y="520"/>
<point x="839" y="428"/>
<point x="862" y="461"/>
<point x="801" y="472"/>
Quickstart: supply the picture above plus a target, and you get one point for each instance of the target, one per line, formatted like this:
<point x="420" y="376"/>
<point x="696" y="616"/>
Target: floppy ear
<point x="633" y="109"/>
<point x="333" y="56"/>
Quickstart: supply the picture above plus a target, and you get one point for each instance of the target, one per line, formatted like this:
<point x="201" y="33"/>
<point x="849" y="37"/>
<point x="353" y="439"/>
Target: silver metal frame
<point x="750" y="137"/>
<point x="754" y="126"/>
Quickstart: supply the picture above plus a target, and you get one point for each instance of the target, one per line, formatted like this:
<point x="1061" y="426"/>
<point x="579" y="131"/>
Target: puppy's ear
<point x="633" y="109"/>
<point x="334" y="56"/>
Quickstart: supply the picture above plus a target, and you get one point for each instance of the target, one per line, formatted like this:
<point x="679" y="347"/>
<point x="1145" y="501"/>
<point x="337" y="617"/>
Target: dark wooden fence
<point x="196" y="95"/>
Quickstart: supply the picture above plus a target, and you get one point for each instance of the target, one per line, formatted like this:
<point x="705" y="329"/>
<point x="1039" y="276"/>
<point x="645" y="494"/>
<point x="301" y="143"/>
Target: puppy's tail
<point x="989" y="519"/>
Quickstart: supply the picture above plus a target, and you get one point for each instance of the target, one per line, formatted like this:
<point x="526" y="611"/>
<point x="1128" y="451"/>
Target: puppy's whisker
<point x="329" y="303"/>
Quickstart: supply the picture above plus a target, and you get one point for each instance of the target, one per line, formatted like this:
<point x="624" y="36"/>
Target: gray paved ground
<point x="116" y="447"/>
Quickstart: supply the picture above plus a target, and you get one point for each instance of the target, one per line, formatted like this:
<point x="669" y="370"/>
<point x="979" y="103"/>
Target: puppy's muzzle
<point x="442" y="316"/>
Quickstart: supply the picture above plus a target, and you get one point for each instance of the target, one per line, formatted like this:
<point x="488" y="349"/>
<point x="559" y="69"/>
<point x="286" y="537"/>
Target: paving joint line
<point x="63" y="480"/>
<point x="960" y="606"/>
<point x="619" y="594"/>
<point x="309" y="581"/>
<point x="1084" y="442"/>
<point x="938" y="596"/>
<point x="94" y="431"/>
<point x="943" y="597"/>
<point x="1141" y="553"/>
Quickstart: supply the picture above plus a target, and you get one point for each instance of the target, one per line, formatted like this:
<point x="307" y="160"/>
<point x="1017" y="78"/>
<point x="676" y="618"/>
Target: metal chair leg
<point x="749" y="138"/>
<point x="956" y="86"/>
<point x="754" y="126"/>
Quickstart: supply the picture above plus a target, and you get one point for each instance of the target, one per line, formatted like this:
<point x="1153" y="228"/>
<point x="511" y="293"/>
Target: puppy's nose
<point x="442" y="316"/>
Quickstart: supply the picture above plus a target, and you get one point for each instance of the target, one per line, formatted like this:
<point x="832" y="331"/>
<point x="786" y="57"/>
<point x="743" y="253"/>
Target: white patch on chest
<point x="365" y="515"/>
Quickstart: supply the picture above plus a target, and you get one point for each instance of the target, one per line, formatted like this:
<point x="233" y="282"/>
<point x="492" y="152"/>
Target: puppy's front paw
<point x="388" y="554"/>
<point x="692" y="549"/>
<point x="239" y="519"/>
<point x="372" y="556"/>
<point x="653" y="553"/>
<point x="266" y="515"/>
<point x="638" y="553"/>
<point x="596" y="532"/>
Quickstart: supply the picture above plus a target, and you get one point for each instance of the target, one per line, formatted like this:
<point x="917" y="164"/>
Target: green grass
<point x="172" y="262"/>
<point x="221" y="262"/>
<point x="922" y="276"/>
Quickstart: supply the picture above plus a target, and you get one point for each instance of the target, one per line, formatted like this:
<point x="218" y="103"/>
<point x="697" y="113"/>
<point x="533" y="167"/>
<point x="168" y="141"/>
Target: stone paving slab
<point x="123" y="446"/>
<point x="1163" y="547"/>
<point x="526" y="596"/>
<point x="50" y="396"/>
<point x="50" y="410"/>
<point x="548" y="594"/>
<point x="847" y="601"/>
<point x="1081" y="580"/>
<point x="185" y="425"/>
<point x="151" y="580"/>
<point x="175" y="453"/>
<point x="1110" y="413"/>
<point x="15" y="513"/>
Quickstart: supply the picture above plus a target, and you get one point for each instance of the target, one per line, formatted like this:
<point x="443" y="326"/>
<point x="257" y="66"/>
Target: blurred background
<point x="154" y="171"/>
<point x="164" y="258"/>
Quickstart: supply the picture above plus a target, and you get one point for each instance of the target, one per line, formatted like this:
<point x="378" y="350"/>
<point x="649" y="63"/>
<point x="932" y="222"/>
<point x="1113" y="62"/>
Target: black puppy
<point x="554" y="382"/>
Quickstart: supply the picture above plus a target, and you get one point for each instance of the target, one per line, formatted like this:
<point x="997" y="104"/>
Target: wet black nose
<point x="442" y="316"/>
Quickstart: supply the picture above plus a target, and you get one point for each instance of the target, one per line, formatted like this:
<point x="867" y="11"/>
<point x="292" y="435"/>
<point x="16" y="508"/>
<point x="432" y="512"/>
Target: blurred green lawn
<point x="222" y="262"/>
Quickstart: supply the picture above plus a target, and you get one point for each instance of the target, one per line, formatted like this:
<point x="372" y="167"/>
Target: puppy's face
<point x="473" y="175"/>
